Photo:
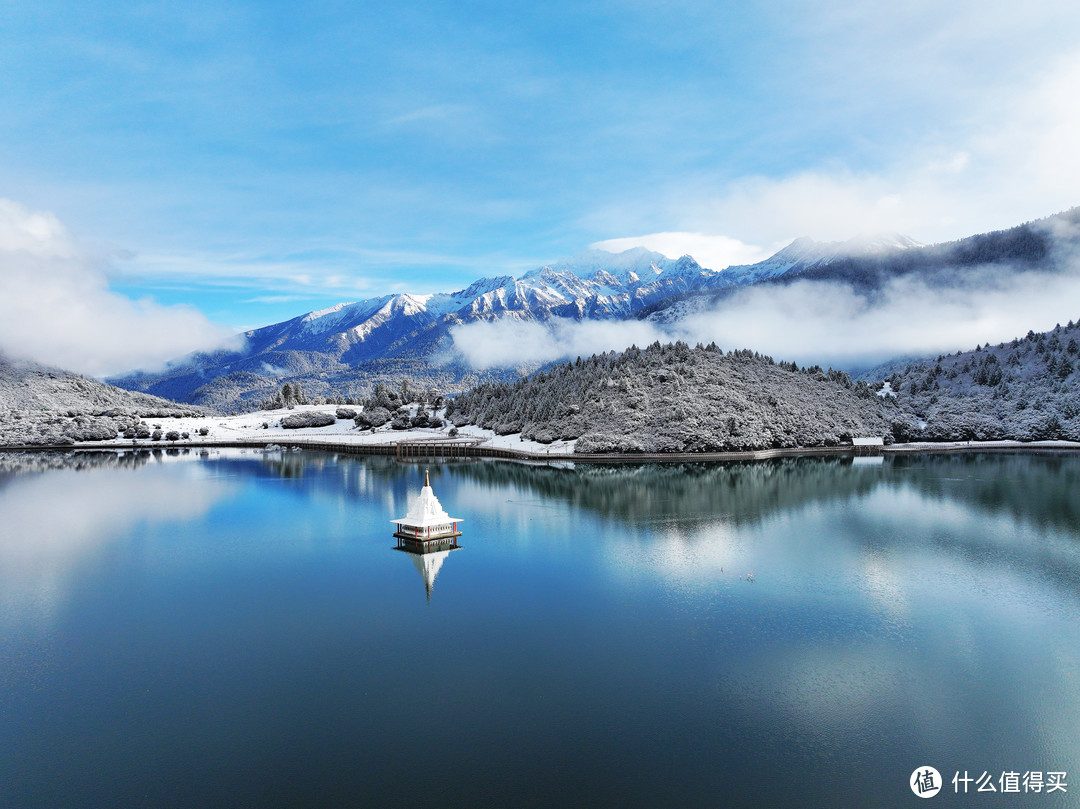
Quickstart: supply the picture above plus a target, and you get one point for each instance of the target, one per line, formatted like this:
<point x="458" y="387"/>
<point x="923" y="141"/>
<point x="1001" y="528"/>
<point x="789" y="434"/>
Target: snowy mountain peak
<point x="805" y="252"/>
<point x="383" y="338"/>
<point x="687" y="265"/>
<point x="636" y="261"/>
<point x="866" y="244"/>
<point x="612" y="270"/>
<point x="869" y="244"/>
<point x="331" y="310"/>
<point x="481" y="286"/>
<point x="409" y="304"/>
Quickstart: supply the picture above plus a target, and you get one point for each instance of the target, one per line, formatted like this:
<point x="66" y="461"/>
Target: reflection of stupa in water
<point x="428" y="565"/>
<point x="427" y="533"/>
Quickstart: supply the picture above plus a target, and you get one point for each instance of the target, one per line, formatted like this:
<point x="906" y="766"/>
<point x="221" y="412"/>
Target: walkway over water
<point x="438" y="447"/>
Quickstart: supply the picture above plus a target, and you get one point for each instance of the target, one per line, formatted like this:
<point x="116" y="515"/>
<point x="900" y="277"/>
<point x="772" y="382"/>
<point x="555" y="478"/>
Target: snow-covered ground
<point x="938" y="446"/>
<point x="249" y="427"/>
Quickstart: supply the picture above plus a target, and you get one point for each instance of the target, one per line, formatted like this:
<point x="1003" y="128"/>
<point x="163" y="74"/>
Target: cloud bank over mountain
<point x="372" y="150"/>
<point x="56" y="306"/>
<point x="810" y="322"/>
<point x="832" y="323"/>
<point x="846" y="304"/>
<point x="509" y="343"/>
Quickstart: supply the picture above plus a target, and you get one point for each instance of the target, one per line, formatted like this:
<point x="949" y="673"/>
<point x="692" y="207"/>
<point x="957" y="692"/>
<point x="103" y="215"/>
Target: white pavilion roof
<point x="426" y="511"/>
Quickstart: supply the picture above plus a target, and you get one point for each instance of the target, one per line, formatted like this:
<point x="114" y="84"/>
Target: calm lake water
<point x="236" y="630"/>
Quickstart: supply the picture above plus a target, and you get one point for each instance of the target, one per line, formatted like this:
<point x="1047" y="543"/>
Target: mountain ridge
<point x="407" y="330"/>
<point x="347" y="348"/>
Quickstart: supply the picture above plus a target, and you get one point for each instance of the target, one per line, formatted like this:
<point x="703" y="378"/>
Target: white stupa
<point x="427" y="527"/>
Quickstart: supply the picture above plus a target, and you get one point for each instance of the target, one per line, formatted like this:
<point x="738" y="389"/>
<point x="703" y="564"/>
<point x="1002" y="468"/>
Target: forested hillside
<point x="1027" y="389"/>
<point x="676" y="399"/>
<point x="49" y="406"/>
<point x="672" y="398"/>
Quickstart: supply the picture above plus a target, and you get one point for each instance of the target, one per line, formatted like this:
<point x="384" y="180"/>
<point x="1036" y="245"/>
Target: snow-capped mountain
<point x="344" y="349"/>
<point x="595" y="285"/>
<point x="805" y="253"/>
<point x="408" y="328"/>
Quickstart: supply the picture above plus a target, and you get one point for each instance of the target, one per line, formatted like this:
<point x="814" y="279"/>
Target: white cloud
<point x="46" y="541"/>
<point x="337" y="271"/>
<point x="1009" y="156"/>
<point x="56" y="307"/>
<point x="511" y="343"/>
<point x="279" y="298"/>
<point x="273" y="370"/>
<point x="35" y="233"/>
<point x="831" y="324"/>
<point x="710" y="251"/>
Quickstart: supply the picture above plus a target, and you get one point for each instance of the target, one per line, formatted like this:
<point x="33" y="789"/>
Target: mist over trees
<point x="660" y="399"/>
<point x="1045" y="245"/>
<point x="436" y="342"/>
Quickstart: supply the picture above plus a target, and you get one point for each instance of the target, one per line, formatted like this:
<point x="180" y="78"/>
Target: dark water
<point x="236" y="631"/>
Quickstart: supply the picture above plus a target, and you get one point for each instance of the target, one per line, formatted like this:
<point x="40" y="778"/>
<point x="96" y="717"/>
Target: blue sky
<point x="253" y="161"/>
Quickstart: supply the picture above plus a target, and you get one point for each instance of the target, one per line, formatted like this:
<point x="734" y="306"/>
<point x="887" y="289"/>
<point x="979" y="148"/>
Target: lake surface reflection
<point x="235" y="629"/>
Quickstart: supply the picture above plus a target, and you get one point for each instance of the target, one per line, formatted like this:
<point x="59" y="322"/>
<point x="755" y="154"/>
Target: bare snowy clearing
<point x="264" y="427"/>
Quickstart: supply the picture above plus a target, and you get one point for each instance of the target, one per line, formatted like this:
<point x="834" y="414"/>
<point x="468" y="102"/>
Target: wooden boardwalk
<point x="438" y="448"/>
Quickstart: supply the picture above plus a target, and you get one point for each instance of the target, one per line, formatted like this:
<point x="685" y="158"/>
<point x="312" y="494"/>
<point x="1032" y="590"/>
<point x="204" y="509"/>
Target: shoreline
<point x="429" y="446"/>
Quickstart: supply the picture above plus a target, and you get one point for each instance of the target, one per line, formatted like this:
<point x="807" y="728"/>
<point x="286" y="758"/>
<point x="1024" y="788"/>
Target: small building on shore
<point x="868" y="445"/>
<point x="427" y="527"/>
